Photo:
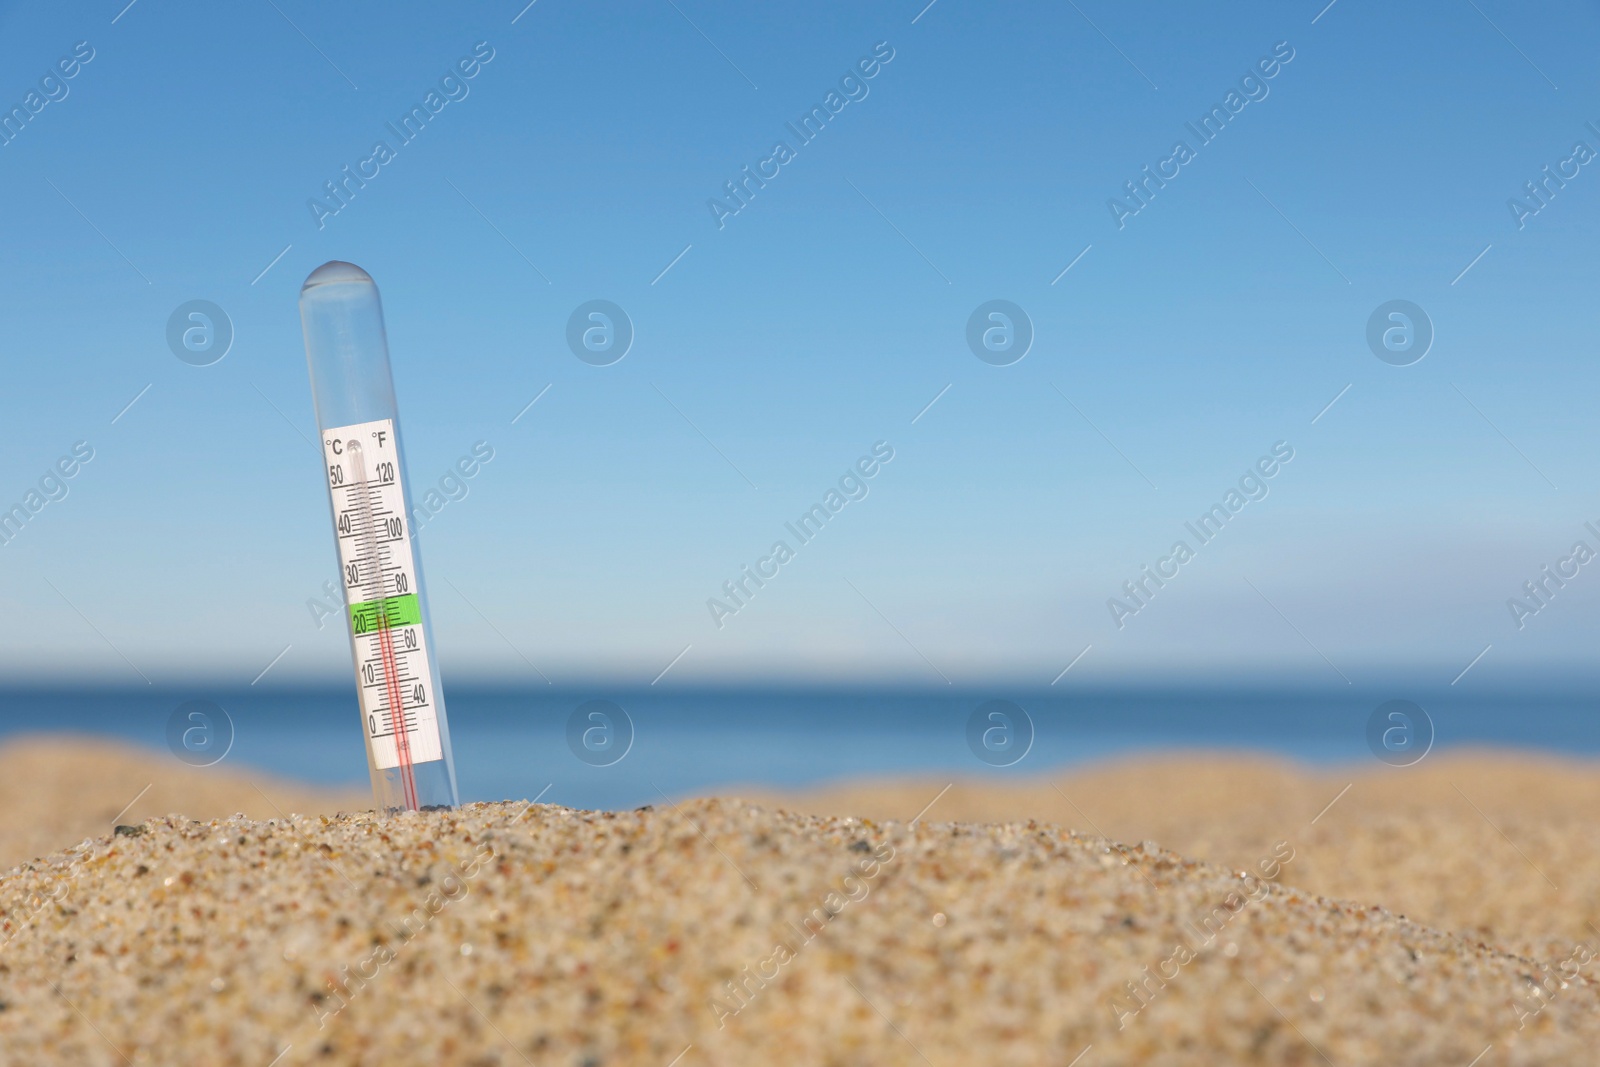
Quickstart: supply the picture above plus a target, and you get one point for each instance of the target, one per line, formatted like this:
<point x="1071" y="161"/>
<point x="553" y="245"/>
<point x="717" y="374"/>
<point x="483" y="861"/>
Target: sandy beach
<point x="62" y="789"/>
<point x="892" y="923"/>
<point x="1503" y="848"/>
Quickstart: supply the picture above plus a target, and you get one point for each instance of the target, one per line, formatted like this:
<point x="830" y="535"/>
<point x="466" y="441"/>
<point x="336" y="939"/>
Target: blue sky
<point x="775" y="350"/>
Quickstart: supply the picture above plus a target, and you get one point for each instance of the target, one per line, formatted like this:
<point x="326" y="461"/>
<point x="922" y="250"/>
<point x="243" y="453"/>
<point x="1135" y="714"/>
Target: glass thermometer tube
<point x="391" y="641"/>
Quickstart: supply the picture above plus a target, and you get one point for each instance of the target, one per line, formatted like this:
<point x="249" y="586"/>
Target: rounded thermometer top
<point x="346" y="348"/>
<point x="336" y="271"/>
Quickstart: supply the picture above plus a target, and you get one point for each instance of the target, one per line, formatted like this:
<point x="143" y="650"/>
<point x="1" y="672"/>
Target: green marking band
<point x="386" y="614"/>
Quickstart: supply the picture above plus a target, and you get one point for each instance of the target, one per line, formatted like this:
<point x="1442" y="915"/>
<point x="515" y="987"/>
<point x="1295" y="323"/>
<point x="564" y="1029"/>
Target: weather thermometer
<point x="397" y="682"/>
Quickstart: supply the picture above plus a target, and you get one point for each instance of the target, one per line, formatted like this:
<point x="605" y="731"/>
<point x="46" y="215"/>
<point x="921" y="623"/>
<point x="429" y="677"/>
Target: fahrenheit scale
<point x="397" y="684"/>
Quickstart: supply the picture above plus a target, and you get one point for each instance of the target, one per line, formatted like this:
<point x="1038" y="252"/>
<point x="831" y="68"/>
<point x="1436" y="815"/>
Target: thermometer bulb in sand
<point x="397" y="684"/>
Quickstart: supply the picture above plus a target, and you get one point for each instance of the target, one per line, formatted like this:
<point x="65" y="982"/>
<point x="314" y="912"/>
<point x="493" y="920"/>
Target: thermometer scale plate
<point x="393" y="670"/>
